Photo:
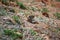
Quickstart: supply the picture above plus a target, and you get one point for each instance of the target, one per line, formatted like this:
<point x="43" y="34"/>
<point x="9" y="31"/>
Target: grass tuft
<point x="21" y="5"/>
<point x="33" y="32"/>
<point x="16" y="18"/>
<point x="44" y="10"/>
<point x="57" y="15"/>
<point x="13" y="33"/>
<point x="3" y="12"/>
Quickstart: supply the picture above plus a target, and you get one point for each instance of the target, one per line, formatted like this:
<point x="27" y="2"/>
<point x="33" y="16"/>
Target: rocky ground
<point x="29" y="20"/>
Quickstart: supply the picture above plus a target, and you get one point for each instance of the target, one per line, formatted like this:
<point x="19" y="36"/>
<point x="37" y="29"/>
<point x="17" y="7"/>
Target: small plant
<point x="3" y="12"/>
<point x="21" y="5"/>
<point x="16" y="18"/>
<point x="57" y="15"/>
<point x="44" y="10"/>
<point x="57" y="30"/>
<point x="13" y="33"/>
<point x="35" y="9"/>
<point x="33" y="32"/>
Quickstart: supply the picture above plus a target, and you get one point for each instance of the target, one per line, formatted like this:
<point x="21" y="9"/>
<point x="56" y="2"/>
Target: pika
<point x="31" y="19"/>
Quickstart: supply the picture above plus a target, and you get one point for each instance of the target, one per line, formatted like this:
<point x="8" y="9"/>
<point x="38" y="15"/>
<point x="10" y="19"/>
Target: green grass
<point x="57" y="29"/>
<point x="21" y="5"/>
<point x="57" y="15"/>
<point x="16" y="18"/>
<point x="33" y="32"/>
<point x="45" y="10"/>
<point x="13" y="33"/>
<point x="3" y="12"/>
<point x="34" y="9"/>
